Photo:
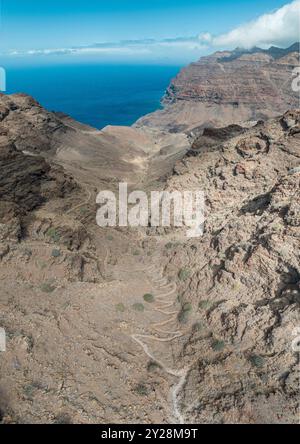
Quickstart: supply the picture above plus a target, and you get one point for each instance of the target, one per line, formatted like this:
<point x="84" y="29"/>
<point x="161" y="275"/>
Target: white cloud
<point x="123" y="48"/>
<point x="281" y="27"/>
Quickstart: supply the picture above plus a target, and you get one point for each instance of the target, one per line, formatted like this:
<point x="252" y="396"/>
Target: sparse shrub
<point x="198" y="326"/>
<point x="46" y="287"/>
<point x="120" y="308"/>
<point x="83" y="210"/>
<point x="205" y="305"/>
<point x="185" y="313"/>
<point x="184" y="274"/>
<point x="110" y="238"/>
<point x="141" y="390"/>
<point x="55" y="253"/>
<point x="29" y="391"/>
<point x="218" y="345"/>
<point x="136" y="253"/>
<point x="138" y="307"/>
<point x="183" y="317"/>
<point x="187" y="306"/>
<point x="153" y="366"/>
<point x="169" y="245"/>
<point x="257" y="361"/>
<point x="63" y="419"/>
<point x="53" y="235"/>
<point x="149" y="298"/>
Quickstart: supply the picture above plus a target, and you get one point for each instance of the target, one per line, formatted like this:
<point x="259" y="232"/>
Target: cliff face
<point x="229" y="87"/>
<point x="26" y="183"/>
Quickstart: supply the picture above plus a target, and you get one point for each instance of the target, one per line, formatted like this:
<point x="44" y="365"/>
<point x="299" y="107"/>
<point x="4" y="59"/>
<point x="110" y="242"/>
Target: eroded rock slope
<point x="229" y="88"/>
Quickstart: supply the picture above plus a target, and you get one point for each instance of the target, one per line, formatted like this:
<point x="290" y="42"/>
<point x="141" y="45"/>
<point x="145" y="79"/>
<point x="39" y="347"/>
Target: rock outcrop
<point x="229" y="88"/>
<point x="242" y="278"/>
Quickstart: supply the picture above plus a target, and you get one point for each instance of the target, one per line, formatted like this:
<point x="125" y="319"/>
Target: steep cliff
<point x="229" y="87"/>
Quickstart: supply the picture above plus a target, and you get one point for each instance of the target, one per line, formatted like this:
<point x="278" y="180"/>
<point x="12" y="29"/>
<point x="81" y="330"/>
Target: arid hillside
<point x="144" y="325"/>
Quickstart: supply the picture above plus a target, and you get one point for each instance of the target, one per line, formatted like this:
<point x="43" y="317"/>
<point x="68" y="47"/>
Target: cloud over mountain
<point x="281" y="27"/>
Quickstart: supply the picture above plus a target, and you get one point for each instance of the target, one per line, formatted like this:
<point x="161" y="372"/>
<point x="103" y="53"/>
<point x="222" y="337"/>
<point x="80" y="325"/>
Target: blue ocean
<point x="97" y="95"/>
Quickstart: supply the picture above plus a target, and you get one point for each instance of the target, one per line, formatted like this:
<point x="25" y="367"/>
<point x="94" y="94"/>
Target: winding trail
<point x="165" y="298"/>
<point x="82" y="204"/>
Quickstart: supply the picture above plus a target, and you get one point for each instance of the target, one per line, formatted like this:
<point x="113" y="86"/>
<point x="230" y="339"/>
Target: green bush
<point x="153" y="366"/>
<point x="46" y="287"/>
<point x="53" y="235"/>
<point x="169" y="245"/>
<point x="257" y="361"/>
<point x="185" y="313"/>
<point x="187" y="307"/>
<point x="149" y="298"/>
<point x="29" y="391"/>
<point x="218" y="346"/>
<point x="55" y="253"/>
<point x="205" y="305"/>
<point x="183" y="317"/>
<point x="198" y="326"/>
<point x="63" y="419"/>
<point x="141" y="390"/>
<point x="184" y="274"/>
<point x="120" y="308"/>
<point x="138" y="307"/>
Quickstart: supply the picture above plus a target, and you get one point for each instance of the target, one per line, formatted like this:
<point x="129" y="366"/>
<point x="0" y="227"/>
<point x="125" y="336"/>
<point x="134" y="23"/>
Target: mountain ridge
<point x="228" y="87"/>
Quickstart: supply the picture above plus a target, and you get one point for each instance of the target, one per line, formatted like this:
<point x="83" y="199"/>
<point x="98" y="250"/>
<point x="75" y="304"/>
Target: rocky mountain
<point x="239" y="284"/>
<point x="143" y="325"/>
<point x="228" y="88"/>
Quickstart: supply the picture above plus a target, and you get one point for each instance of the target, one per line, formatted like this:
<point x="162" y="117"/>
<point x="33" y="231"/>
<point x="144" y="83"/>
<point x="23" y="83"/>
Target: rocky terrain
<point x="229" y="88"/>
<point x="240" y="281"/>
<point x="123" y="325"/>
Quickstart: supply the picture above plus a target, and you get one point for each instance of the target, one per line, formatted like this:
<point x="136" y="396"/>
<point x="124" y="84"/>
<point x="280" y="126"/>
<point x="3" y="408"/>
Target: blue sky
<point x="156" y="29"/>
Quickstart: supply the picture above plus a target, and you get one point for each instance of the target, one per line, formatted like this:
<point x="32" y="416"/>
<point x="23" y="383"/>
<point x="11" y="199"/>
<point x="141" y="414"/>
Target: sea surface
<point x="97" y="95"/>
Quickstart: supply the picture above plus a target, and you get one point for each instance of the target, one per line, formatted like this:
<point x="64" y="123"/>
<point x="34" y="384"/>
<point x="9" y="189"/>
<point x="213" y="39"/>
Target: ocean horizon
<point x="97" y="95"/>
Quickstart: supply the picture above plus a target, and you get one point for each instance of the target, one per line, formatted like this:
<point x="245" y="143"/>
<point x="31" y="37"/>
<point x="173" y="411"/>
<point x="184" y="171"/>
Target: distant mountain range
<point x="273" y="51"/>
